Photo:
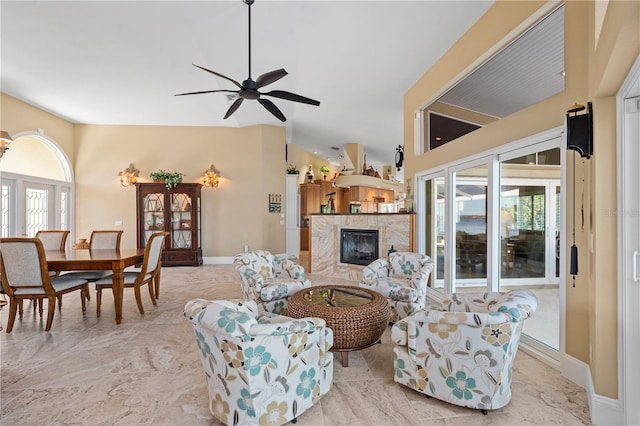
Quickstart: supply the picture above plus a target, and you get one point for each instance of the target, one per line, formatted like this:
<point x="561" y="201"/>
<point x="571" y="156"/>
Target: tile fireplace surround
<point x="393" y="229"/>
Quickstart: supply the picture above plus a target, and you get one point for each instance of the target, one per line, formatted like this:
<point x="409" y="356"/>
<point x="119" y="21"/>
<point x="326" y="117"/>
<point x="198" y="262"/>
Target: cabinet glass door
<point x="153" y="214"/>
<point x="180" y="221"/>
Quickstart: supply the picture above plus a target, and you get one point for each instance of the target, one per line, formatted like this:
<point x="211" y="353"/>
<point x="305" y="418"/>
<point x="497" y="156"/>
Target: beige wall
<point x="17" y="117"/>
<point x="593" y="73"/>
<point x="302" y="159"/>
<point x="251" y="161"/>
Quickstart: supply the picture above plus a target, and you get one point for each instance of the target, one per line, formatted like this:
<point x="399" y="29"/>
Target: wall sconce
<point x="5" y="141"/>
<point x="211" y="177"/>
<point x="129" y="176"/>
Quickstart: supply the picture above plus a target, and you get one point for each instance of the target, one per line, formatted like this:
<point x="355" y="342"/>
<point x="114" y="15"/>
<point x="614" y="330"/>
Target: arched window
<point x="36" y="186"/>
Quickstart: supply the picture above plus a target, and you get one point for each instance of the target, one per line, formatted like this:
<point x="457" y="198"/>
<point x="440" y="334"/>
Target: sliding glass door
<point x="493" y="224"/>
<point x="434" y="226"/>
<point x="530" y="235"/>
<point x="470" y="228"/>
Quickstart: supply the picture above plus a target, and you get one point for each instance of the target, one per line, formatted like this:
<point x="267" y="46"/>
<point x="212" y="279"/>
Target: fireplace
<point x="358" y="246"/>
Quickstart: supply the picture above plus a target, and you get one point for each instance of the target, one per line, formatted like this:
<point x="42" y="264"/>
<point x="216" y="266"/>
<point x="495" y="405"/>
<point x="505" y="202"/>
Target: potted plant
<point x="324" y="170"/>
<point x="292" y="170"/>
<point x="170" y="179"/>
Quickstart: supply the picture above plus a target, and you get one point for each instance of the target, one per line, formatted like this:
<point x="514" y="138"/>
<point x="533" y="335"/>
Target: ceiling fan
<point x="249" y="88"/>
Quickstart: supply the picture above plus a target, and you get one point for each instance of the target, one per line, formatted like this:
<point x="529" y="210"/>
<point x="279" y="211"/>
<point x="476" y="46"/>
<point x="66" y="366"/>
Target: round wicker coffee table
<point x="357" y="316"/>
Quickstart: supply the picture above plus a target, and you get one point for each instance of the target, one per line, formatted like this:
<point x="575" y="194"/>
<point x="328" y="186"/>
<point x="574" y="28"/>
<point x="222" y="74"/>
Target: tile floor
<point x="146" y="371"/>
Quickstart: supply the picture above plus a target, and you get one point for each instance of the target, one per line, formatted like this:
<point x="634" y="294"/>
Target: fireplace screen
<point x="358" y="246"/>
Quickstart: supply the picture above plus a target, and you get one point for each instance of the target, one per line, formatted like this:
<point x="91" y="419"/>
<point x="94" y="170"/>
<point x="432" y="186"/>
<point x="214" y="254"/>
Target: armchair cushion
<point x="377" y="269"/>
<point x="406" y="265"/>
<point x="283" y="267"/>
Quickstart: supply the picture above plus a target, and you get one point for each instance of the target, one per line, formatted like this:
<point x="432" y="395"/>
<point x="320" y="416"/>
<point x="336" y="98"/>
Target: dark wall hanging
<point x="579" y="139"/>
<point x="399" y="156"/>
<point x="580" y="130"/>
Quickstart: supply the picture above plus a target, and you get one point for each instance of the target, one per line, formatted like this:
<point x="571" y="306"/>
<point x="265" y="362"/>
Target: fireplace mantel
<point x="395" y="229"/>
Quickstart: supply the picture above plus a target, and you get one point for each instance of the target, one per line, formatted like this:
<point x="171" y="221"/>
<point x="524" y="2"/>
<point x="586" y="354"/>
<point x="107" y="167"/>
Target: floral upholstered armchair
<point x="402" y="280"/>
<point x="269" y="280"/>
<point x="260" y="369"/>
<point x="462" y="351"/>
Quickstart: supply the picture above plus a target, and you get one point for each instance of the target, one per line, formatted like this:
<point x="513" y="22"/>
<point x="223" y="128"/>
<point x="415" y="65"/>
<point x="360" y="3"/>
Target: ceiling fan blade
<point x="219" y="75"/>
<point x="273" y="109"/>
<point x="291" y="97"/>
<point x="270" y="77"/>
<point x="207" y="91"/>
<point x="234" y="106"/>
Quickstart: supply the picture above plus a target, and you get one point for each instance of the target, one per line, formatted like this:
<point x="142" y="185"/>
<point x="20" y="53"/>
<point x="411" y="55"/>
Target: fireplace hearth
<point x="358" y="246"/>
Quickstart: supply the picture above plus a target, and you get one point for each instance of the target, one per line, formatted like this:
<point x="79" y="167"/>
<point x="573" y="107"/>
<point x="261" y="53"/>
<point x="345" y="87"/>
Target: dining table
<point x="106" y="260"/>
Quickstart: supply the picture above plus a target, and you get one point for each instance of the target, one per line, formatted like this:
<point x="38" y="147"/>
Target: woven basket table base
<point x="354" y="327"/>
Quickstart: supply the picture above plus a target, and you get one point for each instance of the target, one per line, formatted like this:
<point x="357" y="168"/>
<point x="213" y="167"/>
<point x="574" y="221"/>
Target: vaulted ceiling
<point x="122" y="62"/>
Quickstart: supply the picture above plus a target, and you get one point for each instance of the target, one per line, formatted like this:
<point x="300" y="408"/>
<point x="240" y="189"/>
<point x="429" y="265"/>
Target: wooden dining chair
<point x="24" y="275"/>
<point x="149" y="273"/>
<point x="54" y="239"/>
<point x="100" y="240"/>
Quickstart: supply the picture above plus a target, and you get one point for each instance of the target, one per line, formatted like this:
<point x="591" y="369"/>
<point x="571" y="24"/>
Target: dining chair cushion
<point x="89" y="275"/>
<point x="59" y="284"/>
<point x="127" y="278"/>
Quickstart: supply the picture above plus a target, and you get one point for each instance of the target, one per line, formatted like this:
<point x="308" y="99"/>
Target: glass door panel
<point x="38" y="208"/>
<point x="180" y="220"/>
<point x="470" y="212"/>
<point x="153" y="211"/>
<point x="6" y="202"/>
<point x="530" y="237"/>
<point x="435" y="230"/>
<point x="523" y="225"/>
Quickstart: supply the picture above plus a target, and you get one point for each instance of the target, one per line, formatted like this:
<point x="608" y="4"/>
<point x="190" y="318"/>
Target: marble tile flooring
<point x="146" y="371"/>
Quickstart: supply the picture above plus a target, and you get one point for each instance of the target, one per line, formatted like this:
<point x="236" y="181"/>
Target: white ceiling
<point x="122" y="62"/>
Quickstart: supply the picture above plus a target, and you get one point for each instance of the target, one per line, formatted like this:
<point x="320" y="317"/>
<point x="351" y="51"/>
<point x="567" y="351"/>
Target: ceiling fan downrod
<point x="249" y="3"/>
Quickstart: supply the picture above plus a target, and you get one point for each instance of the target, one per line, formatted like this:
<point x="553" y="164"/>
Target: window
<point x="37" y="189"/>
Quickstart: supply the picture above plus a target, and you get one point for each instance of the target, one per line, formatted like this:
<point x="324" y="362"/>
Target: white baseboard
<point x="220" y="260"/>
<point x="603" y="410"/>
<point x="575" y="370"/>
<point x="228" y="260"/>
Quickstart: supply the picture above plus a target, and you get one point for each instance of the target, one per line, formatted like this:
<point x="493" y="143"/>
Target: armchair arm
<point x="251" y="278"/>
<point x="419" y="281"/>
<point x="433" y="315"/>
<point x="232" y="317"/>
<point x="283" y="266"/>
<point x="379" y="268"/>
<point x="467" y="302"/>
<point x="288" y="326"/>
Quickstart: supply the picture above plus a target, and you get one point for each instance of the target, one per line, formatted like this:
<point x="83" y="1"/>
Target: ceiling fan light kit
<point x="249" y="88"/>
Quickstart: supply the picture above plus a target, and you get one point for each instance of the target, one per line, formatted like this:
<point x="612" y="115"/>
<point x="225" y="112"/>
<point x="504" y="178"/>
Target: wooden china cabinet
<point x="176" y="211"/>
